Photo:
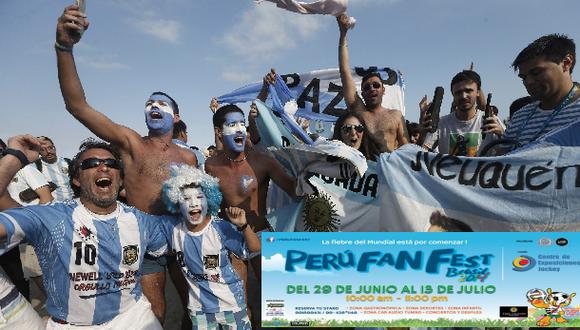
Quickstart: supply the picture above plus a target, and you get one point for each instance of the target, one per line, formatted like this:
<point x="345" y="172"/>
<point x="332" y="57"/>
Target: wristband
<point x="61" y="47"/>
<point x="243" y="227"/>
<point x="18" y="154"/>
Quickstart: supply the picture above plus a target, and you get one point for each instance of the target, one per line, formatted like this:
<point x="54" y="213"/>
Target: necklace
<point x="236" y="160"/>
<point x="564" y="103"/>
<point x="113" y="214"/>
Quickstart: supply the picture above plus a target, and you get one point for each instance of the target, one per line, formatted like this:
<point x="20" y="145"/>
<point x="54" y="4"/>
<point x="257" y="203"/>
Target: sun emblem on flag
<point x="85" y="233"/>
<point x="320" y="214"/>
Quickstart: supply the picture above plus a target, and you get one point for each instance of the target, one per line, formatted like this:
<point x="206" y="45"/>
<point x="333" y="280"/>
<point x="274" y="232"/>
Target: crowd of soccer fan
<point x="98" y="233"/>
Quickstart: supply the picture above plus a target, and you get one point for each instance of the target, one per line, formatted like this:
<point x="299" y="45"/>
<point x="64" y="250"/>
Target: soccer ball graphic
<point x="534" y="294"/>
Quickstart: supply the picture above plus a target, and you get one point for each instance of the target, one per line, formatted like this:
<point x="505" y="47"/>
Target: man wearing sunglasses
<point x="91" y="248"/>
<point x="386" y="126"/>
<point x="146" y="159"/>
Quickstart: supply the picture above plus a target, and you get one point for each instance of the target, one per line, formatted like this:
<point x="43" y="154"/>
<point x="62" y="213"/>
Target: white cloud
<point x="236" y="77"/>
<point x="163" y="29"/>
<point x="105" y="62"/>
<point x="266" y="31"/>
<point x="277" y="263"/>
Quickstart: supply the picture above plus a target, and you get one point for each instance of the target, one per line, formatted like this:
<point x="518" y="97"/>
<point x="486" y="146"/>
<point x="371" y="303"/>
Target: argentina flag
<point x="532" y="189"/>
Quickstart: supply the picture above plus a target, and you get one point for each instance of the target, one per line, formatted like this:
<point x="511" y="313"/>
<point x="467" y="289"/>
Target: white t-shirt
<point x="27" y="177"/>
<point x="460" y="137"/>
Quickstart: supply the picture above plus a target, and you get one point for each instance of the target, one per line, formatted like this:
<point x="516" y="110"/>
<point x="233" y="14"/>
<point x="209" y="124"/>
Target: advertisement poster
<point x="420" y="279"/>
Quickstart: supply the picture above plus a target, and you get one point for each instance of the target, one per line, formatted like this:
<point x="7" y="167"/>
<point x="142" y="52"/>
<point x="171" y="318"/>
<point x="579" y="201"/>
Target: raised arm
<point x="21" y="150"/>
<point x="269" y="79"/>
<point x="238" y="217"/>
<point x="67" y="34"/>
<point x="348" y="87"/>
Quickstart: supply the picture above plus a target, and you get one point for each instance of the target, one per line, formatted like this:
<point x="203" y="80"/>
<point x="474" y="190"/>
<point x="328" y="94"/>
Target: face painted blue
<point x="159" y="114"/>
<point x="234" y="132"/>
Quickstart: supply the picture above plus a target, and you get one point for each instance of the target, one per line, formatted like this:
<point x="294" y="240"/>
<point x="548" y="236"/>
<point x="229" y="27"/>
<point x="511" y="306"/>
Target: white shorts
<point x="18" y="314"/>
<point x="138" y="317"/>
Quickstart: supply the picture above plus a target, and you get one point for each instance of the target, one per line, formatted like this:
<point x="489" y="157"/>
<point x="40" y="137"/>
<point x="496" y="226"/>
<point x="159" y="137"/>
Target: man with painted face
<point x="146" y="159"/>
<point x="91" y="248"/>
<point x="386" y="126"/>
<point x="202" y="243"/>
<point x="245" y="175"/>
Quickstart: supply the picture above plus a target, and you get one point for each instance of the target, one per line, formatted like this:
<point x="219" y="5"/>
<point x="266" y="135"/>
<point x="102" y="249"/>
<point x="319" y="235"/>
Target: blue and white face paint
<point x="193" y="208"/>
<point x="234" y="132"/>
<point x="159" y="114"/>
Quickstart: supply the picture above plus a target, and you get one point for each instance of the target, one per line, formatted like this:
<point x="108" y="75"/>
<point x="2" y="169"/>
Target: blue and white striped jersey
<point x="57" y="173"/>
<point x="214" y="285"/>
<point x="90" y="263"/>
<point x="524" y="135"/>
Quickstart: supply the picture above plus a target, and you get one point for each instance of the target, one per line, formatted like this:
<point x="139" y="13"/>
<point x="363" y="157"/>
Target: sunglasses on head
<point x="95" y="162"/>
<point x="347" y="128"/>
<point x="374" y="84"/>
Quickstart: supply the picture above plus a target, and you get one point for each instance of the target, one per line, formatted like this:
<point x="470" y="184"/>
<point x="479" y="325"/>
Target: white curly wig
<point x="183" y="175"/>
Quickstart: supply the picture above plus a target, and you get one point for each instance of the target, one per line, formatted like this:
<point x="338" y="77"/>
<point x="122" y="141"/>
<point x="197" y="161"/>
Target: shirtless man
<point x="386" y="126"/>
<point x="244" y="178"/>
<point x="145" y="159"/>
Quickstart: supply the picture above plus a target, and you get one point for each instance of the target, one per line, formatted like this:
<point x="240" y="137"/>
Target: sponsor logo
<point x="523" y="263"/>
<point x="562" y="241"/>
<point x="513" y="311"/>
<point x="299" y="323"/>
<point x="545" y="241"/>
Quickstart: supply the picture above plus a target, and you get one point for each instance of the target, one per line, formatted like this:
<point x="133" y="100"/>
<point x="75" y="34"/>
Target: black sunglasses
<point x="95" y="162"/>
<point x="374" y="84"/>
<point x="347" y="128"/>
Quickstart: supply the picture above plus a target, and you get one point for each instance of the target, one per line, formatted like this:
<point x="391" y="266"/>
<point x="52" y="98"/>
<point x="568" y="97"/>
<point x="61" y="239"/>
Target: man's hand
<point x="425" y="119"/>
<point x="254" y="111"/>
<point x="70" y="26"/>
<point x="343" y="23"/>
<point x="28" y="144"/>
<point x="493" y="126"/>
<point x="236" y="215"/>
<point x="423" y="107"/>
<point x="269" y="79"/>
<point x="213" y="104"/>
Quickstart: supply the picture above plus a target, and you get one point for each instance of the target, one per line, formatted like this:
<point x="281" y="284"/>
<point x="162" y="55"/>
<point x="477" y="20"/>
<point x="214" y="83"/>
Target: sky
<point x="196" y="49"/>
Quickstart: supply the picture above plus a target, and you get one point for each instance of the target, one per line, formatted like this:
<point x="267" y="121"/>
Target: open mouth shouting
<point x="239" y="140"/>
<point x="155" y="115"/>
<point x="195" y="214"/>
<point x="104" y="184"/>
<point x="193" y="208"/>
